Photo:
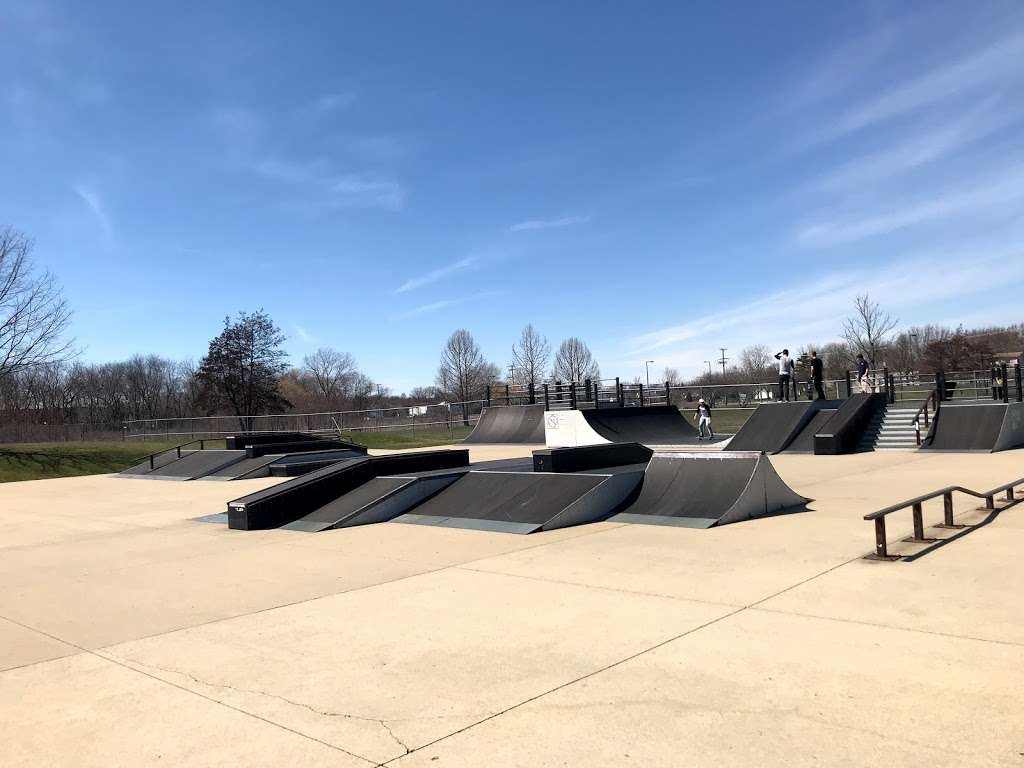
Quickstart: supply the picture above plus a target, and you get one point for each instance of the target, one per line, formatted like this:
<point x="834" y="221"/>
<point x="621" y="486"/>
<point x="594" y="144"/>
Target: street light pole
<point x="647" y="369"/>
<point x="708" y="363"/>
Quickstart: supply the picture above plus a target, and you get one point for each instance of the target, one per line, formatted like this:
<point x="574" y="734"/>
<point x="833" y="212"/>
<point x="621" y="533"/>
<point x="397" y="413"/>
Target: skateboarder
<point x="786" y="368"/>
<point x="704" y="418"/>
<point x="862" y="374"/>
<point x="817" y="375"/>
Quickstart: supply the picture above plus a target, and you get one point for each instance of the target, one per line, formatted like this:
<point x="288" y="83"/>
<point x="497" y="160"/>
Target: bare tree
<point x="671" y="375"/>
<point x="34" y="314"/>
<point x="755" y="361"/>
<point x="331" y="370"/>
<point x="463" y="372"/>
<point x="530" y="357"/>
<point x="574" y="362"/>
<point x="867" y="332"/>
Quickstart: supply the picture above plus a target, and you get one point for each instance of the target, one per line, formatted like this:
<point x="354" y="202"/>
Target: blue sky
<point x="659" y="179"/>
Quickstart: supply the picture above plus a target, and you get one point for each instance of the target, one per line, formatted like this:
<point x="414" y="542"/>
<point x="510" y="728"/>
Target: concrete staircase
<point x="894" y="430"/>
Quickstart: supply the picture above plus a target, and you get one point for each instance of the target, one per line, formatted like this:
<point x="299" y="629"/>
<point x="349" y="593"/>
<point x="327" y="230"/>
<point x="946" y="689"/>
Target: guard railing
<point x="916" y="505"/>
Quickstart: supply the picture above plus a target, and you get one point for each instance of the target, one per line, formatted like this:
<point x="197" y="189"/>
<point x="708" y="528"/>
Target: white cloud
<point x="329" y="102"/>
<point x="987" y="193"/>
<point x="436" y="306"/>
<point x="91" y="197"/>
<point x="565" y="221"/>
<point x="436" y="274"/>
<point x="302" y="333"/>
<point x="365" y="190"/>
<point x="916" y="289"/>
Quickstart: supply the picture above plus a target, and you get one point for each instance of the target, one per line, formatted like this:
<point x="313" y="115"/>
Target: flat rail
<point x="916" y="506"/>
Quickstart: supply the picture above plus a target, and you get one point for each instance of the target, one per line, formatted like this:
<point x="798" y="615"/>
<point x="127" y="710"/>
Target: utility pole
<point x="724" y="360"/>
<point x="708" y="364"/>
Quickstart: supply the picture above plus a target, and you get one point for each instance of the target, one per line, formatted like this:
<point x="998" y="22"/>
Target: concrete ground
<point x="132" y="636"/>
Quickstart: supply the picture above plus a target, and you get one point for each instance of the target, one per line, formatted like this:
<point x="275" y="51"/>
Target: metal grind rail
<point x="916" y="505"/>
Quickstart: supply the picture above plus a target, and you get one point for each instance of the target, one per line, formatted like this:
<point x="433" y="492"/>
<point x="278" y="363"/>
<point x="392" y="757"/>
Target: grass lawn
<point x="39" y="461"/>
<point x="726" y="421"/>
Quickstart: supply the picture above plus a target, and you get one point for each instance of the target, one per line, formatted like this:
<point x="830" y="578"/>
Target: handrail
<point x="176" y="448"/>
<point x="933" y="395"/>
<point x="881" y="549"/>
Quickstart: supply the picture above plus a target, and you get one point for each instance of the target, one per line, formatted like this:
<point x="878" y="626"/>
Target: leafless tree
<point x="755" y="361"/>
<point x="868" y="331"/>
<point x="574" y="362"/>
<point x="530" y="357"/>
<point x="34" y="314"/>
<point x="331" y="370"/>
<point x="463" y="372"/>
<point x="671" y="375"/>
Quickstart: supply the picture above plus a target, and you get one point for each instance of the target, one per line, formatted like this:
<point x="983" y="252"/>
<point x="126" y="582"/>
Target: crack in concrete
<point x="302" y="705"/>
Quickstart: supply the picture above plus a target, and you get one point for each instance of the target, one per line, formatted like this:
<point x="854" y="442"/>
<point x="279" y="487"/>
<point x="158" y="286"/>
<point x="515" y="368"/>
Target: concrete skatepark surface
<point x="131" y="635"/>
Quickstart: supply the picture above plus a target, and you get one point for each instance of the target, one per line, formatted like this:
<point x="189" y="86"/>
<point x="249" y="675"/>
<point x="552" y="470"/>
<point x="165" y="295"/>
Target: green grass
<point x="39" y="461"/>
<point x="724" y="420"/>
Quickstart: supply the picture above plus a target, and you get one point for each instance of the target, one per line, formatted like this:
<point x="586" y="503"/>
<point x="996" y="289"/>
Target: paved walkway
<point x="130" y="635"/>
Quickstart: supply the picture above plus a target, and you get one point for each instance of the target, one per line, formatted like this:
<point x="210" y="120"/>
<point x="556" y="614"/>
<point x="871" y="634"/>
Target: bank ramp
<point x="773" y="426"/>
<point x="517" y="424"/>
<point x="983" y="427"/>
<point x="701" y="490"/>
<point x="526" y="502"/>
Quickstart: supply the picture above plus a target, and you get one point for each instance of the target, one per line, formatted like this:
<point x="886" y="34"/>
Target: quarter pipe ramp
<point x="985" y="427"/>
<point x="701" y="490"/>
<point x="509" y="424"/>
<point x="654" y="425"/>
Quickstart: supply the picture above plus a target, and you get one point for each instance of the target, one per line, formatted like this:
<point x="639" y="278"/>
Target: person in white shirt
<point x="786" y="368"/>
<point x="704" y="419"/>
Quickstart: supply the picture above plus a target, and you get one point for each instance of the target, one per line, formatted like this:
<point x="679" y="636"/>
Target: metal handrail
<point x="933" y="395"/>
<point x="881" y="549"/>
<point x="176" y="448"/>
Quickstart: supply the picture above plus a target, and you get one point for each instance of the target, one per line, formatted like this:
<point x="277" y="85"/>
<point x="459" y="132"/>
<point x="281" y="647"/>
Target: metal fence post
<point x="532" y="393"/>
<point x="1016" y="378"/>
<point x="619" y="394"/>
<point x="508" y="400"/>
<point x="1006" y="382"/>
<point x="572" y="395"/>
<point x="849" y="389"/>
<point x="547" y="399"/>
<point x="668" y="394"/>
<point x="940" y="384"/>
<point x="487" y="395"/>
<point x="640" y="389"/>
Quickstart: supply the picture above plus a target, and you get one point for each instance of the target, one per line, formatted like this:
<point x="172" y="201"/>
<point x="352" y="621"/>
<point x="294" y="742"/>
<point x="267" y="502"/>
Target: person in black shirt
<point x="862" y="374"/>
<point x="817" y="374"/>
<point x="703" y="417"/>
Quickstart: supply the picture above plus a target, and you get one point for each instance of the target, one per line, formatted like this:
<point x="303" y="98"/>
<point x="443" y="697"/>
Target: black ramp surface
<point x="197" y="464"/>
<point x="772" y="426"/>
<point x="524" y="502"/>
<point x="292" y="464"/>
<point x="246" y="468"/>
<point x="300" y="496"/>
<point x="1012" y="433"/>
<point x="509" y="424"/>
<point x="588" y="457"/>
<point x="699" y="490"/>
<point x="804" y="440"/>
<point x="159" y="461"/>
<point x="967" y="427"/>
<point x="243" y="439"/>
<point x="376" y="501"/>
<point x="655" y="425"/>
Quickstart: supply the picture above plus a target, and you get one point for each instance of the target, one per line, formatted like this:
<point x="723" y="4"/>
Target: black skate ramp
<point x="526" y="502"/>
<point x="984" y="427"/>
<point x="295" y="464"/>
<point x="804" y="440"/>
<point x="653" y="425"/>
<point x="245" y="469"/>
<point x="376" y="501"/>
<point x="773" y="426"/>
<point x="701" y="490"/>
<point x="159" y="462"/>
<point x="196" y="464"/>
<point x="296" y="498"/>
<point x="588" y="457"/>
<point x="843" y="432"/>
<point x="523" y="424"/>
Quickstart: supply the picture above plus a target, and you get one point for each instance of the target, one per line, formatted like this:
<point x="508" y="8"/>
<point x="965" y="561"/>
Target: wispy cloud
<point x="812" y="311"/>
<point x="91" y="197"/>
<point x="331" y="102"/>
<point x="437" y="306"/>
<point x="988" y="193"/>
<point x="304" y="335"/>
<point x="436" y="274"/>
<point x="565" y="221"/>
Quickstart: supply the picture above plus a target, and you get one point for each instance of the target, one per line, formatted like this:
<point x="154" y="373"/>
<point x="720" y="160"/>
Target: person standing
<point x="862" y="374"/>
<point x="817" y="375"/>
<point x="785" y="373"/>
<point x="704" y="419"/>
